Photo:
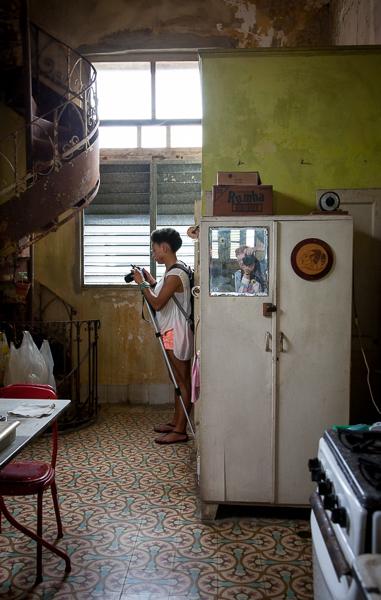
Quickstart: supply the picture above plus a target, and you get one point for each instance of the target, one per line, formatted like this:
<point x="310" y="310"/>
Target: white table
<point x="29" y="428"/>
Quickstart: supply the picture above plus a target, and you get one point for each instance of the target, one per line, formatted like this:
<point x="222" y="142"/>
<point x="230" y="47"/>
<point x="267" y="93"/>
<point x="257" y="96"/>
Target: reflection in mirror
<point x="238" y="261"/>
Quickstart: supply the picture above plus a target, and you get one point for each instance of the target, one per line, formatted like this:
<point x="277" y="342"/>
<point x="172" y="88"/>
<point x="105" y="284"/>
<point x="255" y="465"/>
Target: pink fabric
<point x="196" y="377"/>
<point x="168" y="339"/>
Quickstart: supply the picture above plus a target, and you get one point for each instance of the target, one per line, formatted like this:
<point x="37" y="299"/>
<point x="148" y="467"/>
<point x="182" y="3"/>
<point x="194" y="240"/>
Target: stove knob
<point x="313" y="463"/>
<point x="339" y="516"/>
<point x="330" y="501"/>
<point x="317" y="473"/>
<point x="325" y="487"/>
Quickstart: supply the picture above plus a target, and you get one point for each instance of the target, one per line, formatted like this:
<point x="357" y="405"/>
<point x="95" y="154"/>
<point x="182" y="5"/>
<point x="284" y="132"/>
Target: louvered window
<point x="134" y="199"/>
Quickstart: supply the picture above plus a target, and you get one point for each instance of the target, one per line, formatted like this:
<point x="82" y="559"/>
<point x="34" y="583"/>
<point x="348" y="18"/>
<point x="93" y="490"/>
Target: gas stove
<point x="359" y="456"/>
<point x="346" y="515"/>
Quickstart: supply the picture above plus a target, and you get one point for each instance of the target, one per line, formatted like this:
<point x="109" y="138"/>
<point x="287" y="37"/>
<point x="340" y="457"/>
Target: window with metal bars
<point x="135" y="198"/>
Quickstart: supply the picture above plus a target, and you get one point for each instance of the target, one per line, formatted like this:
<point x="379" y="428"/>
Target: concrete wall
<point x="100" y="26"/>
<point x="355" y="22"/>
<point x="130" y="365"/>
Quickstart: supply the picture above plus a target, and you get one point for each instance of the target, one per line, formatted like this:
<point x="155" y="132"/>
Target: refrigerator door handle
<point x="281" y="342"/>
<point x="267" y="341"/>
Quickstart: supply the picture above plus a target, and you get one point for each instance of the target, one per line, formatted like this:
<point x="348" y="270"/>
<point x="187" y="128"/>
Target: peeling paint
<point x="264" y="27"/>
<point x="247" y="12"/>
<point x="125" y="303"/>
<point x="355" y="21"/>
<point x="123" y="26"/>
<point x="115" y="300"/>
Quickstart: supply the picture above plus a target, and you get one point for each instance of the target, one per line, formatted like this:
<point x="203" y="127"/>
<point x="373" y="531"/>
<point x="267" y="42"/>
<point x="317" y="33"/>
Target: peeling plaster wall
<point x="356" y="22"/>
<point x="128" y="352"/>
<point x="99" y="26"/>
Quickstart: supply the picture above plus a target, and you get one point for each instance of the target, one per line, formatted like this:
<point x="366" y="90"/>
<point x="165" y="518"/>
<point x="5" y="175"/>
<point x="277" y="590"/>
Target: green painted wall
<point x="305" y="119"/>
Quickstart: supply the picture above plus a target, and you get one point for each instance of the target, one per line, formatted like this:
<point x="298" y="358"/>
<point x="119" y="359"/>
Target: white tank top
<point x="171" y="317"/>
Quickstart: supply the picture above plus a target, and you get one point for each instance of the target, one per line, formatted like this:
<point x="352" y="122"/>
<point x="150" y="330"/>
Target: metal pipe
<point x="339" y="562"/>
<point x="153" y="209"/>
<point x="169" y="366"/>
<point x="27" y="71"/>
<point x="78" y="370"/>
<point x="89" y="363"/>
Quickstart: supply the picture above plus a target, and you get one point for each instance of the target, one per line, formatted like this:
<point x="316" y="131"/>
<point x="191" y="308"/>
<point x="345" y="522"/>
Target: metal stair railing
<point x="60" y="133"/>
<point x="74" y="347"/>
<point x="46" y="301"/>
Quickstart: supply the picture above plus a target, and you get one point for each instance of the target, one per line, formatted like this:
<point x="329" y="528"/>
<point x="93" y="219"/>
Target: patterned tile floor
<point x="132" y="526"/>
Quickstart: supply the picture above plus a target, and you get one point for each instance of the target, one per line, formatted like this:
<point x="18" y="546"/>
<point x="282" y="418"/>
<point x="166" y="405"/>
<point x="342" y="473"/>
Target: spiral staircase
<point x="49" y="167"/>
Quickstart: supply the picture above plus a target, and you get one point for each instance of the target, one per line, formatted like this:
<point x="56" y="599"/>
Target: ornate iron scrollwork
<point x="67" y="81"/>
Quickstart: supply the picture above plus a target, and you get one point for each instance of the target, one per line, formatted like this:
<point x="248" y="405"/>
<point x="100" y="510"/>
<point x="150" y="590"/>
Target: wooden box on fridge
<point x="242" y="200"/>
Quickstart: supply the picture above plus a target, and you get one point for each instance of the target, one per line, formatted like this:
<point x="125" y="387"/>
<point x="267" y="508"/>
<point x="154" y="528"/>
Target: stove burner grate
<point x="371" y="471"/>
<point x="366" y="442"/>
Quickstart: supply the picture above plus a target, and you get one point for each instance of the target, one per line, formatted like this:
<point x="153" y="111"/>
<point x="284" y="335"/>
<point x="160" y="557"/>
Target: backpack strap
<point x="181" y="266"/>
<point x="187" y="317"/>
<point x="184" y="268"/>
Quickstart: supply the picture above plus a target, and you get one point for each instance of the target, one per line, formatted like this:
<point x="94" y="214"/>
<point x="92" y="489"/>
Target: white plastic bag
<point x="26" y="364"/>
<point x="4" y="355"/>
<point x="47" y="354"/>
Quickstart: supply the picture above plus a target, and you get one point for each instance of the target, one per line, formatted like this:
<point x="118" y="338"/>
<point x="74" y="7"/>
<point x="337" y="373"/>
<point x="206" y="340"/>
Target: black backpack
<point x="190" y="272"/>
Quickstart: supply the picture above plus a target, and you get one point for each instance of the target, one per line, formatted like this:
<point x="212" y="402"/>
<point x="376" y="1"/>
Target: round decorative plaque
<point x="312" y="259"/>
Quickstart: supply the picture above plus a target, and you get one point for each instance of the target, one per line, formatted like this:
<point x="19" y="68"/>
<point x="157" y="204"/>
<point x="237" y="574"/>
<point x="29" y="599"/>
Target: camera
<point x="248" y="260"/>
<point x="129" y="278"/>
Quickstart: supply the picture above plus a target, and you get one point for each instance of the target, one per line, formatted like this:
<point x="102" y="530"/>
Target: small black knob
<point x="325" y="487"/>
<point x="330" y="501"/>
<point x="339" y="516"/>
<point x="313" y="463"/>
<point x="317" y="475"/>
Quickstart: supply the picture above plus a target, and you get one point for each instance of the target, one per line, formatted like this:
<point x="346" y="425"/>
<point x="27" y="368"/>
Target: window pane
<point x="109" y="251"/>
<point x="118" y="137"/>
<point x="186" y="136"/>
<point x="124" y="90"/>
<point x="154" y="136"/>
<point x="178" y="90"/>
<point x="117" y="222"/>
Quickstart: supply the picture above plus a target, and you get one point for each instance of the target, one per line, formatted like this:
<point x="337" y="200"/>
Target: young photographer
<point x="176" y="332"/>
<point x="248" y="279"/>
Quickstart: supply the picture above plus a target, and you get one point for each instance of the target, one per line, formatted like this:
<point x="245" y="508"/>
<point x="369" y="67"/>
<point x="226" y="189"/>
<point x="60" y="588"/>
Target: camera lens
<point x="248" y="261"/>
<point x="129" y="277"/>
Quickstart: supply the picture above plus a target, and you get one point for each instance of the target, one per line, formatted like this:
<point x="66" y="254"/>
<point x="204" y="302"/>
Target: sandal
<point x="164" y="428"/>
<point x="163" y="439"/>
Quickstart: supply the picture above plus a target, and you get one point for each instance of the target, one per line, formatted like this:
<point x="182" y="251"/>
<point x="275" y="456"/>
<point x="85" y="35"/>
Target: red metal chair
<point x="32" y="477"/>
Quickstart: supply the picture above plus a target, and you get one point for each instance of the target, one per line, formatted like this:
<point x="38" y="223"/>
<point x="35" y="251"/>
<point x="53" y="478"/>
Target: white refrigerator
<point x="275" y="352"/>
